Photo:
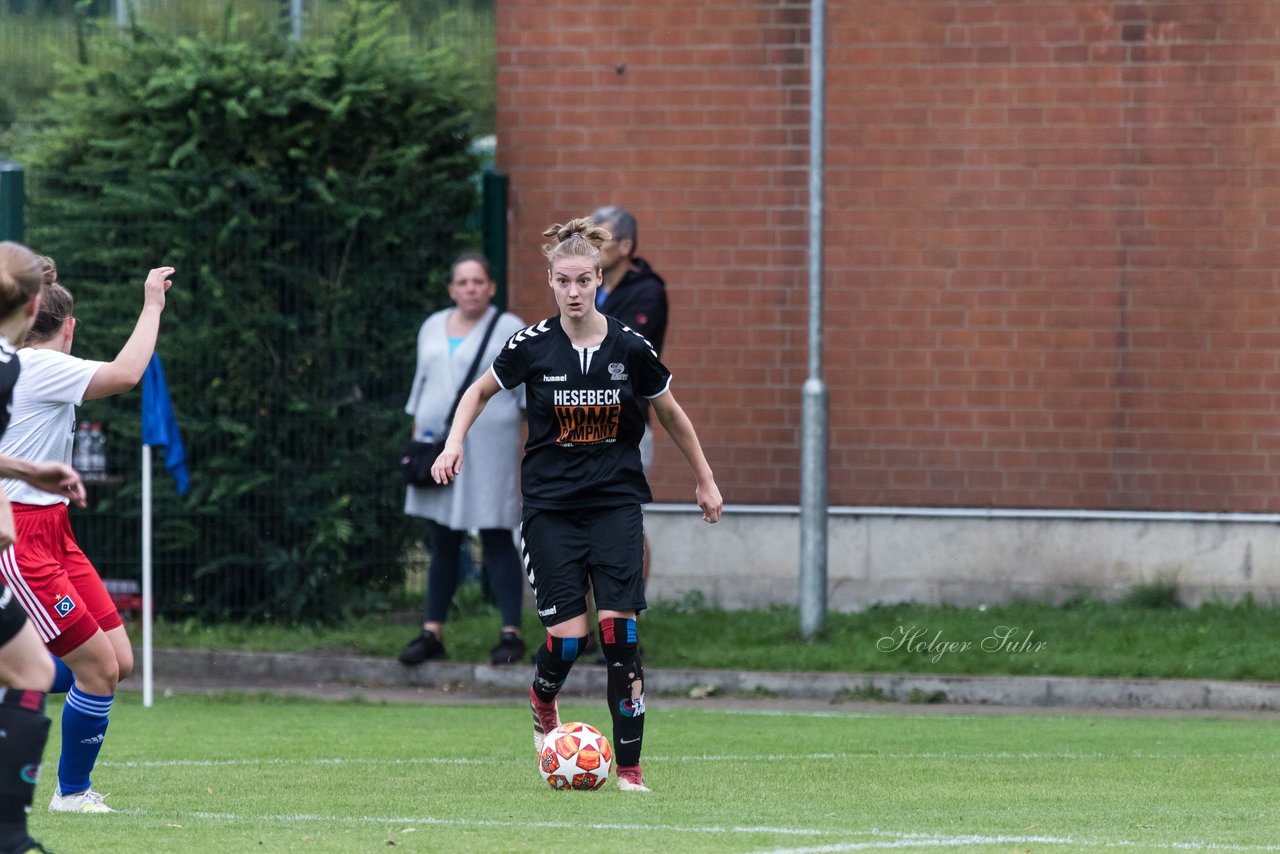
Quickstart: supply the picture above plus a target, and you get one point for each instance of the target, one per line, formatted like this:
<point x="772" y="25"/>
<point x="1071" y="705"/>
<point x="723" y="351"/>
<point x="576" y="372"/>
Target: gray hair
<point x="619" y="221"/>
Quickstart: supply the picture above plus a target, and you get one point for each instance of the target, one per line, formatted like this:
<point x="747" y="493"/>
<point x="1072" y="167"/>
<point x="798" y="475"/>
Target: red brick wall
<point x="1052" y="236"/>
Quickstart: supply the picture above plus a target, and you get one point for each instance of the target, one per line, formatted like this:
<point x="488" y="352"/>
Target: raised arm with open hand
<point x="126" y="369"/>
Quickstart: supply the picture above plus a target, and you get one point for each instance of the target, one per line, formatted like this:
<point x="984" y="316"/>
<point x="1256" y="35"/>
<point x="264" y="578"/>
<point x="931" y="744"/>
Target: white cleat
<point x="86" y="801"/>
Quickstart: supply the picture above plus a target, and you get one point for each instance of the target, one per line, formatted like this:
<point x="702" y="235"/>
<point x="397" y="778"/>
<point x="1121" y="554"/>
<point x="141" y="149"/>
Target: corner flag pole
<point x="159" y="427"/>
<point x="146" y="576"/>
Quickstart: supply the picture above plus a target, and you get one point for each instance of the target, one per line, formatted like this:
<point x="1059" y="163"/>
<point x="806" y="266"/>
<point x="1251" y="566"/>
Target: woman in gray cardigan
<point x="488" y="497"/>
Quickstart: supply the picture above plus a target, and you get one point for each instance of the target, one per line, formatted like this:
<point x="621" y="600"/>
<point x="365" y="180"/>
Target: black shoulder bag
<point x="417" y="458"/>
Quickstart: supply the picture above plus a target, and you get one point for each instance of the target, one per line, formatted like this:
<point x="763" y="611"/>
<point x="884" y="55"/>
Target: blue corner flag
<point x="160" y="425"/>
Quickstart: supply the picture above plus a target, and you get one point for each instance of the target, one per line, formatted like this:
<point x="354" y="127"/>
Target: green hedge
<point x="307" y="194"/>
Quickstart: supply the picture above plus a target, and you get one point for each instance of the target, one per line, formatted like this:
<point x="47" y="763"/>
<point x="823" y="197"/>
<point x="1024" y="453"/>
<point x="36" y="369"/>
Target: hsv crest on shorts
<point x="64" y="606"/>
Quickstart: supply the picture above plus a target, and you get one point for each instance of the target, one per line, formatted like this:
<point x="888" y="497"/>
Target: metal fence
<point x="247" y="543"/>
<point x="235" y="548"/>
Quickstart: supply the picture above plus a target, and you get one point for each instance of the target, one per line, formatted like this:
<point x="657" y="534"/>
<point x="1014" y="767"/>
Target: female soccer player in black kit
<point x="584" y="374"/>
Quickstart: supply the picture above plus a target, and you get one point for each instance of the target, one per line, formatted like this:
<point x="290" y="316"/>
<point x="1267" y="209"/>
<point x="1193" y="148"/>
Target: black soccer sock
<point x="626" y="687"/>
<point x="24" y="730"/>
<point x="554" y="660"/>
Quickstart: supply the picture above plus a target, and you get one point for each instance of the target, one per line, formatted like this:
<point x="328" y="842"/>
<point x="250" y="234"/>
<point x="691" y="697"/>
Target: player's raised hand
<point x="157" y="283"/>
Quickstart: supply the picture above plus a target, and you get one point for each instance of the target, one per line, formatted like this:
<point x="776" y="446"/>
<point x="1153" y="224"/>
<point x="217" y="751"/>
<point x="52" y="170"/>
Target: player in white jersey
<point x="54" y="580"/>
<point x="585" y="375"/>
<point x="26" y="670"/>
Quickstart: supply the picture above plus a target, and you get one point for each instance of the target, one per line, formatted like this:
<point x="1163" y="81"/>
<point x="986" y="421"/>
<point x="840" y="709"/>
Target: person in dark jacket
<point x="632" y="292"/>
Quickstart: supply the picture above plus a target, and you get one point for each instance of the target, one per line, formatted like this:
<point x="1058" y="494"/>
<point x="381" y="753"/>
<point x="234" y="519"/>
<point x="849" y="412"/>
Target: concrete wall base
<point x="750" y="558"/>
<point x="190" y="669"/>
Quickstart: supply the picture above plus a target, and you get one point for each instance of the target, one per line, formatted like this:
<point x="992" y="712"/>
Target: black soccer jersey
<point x="585" y="420"/>
<point x="9" y="368"/>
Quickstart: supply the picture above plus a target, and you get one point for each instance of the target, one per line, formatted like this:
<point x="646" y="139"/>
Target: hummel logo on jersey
<point x="64" y="606"/>
<point x="555" y="378"/>
<point x="546" y="612"/>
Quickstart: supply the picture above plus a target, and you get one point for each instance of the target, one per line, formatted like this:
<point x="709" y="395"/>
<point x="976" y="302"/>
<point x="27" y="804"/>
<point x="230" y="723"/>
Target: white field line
<point x="690" y="757"/>
<point x="888" y="842"/>
<point x="465" y="822"/>
<point x="894" y="841"/>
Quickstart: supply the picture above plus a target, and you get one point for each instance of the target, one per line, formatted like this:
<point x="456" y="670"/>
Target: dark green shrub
<point x="306" y="195"/>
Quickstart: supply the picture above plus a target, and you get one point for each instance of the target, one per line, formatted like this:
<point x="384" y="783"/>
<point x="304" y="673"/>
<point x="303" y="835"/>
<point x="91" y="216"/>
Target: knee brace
<point x="554" y="660"/>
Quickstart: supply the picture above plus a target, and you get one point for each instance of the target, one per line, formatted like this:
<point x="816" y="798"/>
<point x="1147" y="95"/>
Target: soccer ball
<point x="575" y="756"/>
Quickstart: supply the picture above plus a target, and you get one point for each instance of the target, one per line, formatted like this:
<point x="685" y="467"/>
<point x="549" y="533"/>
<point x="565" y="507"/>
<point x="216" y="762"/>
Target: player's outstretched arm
<point x="58" y="478"/>
<point x="126" y="369"/>
<point x="474" y="400"/>
<point x="678" y="426"/>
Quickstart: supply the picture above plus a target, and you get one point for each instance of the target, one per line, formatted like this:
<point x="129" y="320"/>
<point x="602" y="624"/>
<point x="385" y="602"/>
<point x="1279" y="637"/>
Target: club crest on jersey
<point x="617" y="371"/>
<point x="64" y="606"/>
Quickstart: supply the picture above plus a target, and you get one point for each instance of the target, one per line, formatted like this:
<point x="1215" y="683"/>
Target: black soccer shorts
<point x="11" y="615"/>
<point x="568" y="552"/>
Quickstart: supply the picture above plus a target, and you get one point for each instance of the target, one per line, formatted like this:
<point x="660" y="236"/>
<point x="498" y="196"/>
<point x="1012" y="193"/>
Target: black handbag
<point x="416" y="462"/>
<point x="417" y="457"/>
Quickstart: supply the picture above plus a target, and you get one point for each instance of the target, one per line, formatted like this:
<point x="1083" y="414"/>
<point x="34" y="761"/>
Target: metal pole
<point x="122" y="13"/>
<point x="813" y="450"/>
<point x="494" y="230"/>
<point x="147" y="653"/>
<point x="295" y="19"/>
<point x="12" y="198"/>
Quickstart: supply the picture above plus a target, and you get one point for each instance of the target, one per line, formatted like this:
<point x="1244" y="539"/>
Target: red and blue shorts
<point x="54" y="581"/>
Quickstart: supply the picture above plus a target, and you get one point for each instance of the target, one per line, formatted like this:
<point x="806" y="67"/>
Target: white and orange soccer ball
<point x="575" y="756"/>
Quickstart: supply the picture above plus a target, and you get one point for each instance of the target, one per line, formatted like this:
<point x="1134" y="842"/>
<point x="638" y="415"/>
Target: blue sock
<point x="84" y="724"/>
<point x="63" y="678"/>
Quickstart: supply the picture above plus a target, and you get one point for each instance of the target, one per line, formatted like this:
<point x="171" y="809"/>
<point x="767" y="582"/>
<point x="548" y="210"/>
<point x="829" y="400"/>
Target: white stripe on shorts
<point x="528" y="563"/>
<point x="45" y="626"/>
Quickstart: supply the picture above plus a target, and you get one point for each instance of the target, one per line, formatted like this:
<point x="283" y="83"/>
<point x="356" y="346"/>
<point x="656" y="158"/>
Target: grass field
<point x="1144" y="636"/>
<point x="258" y="773"/>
